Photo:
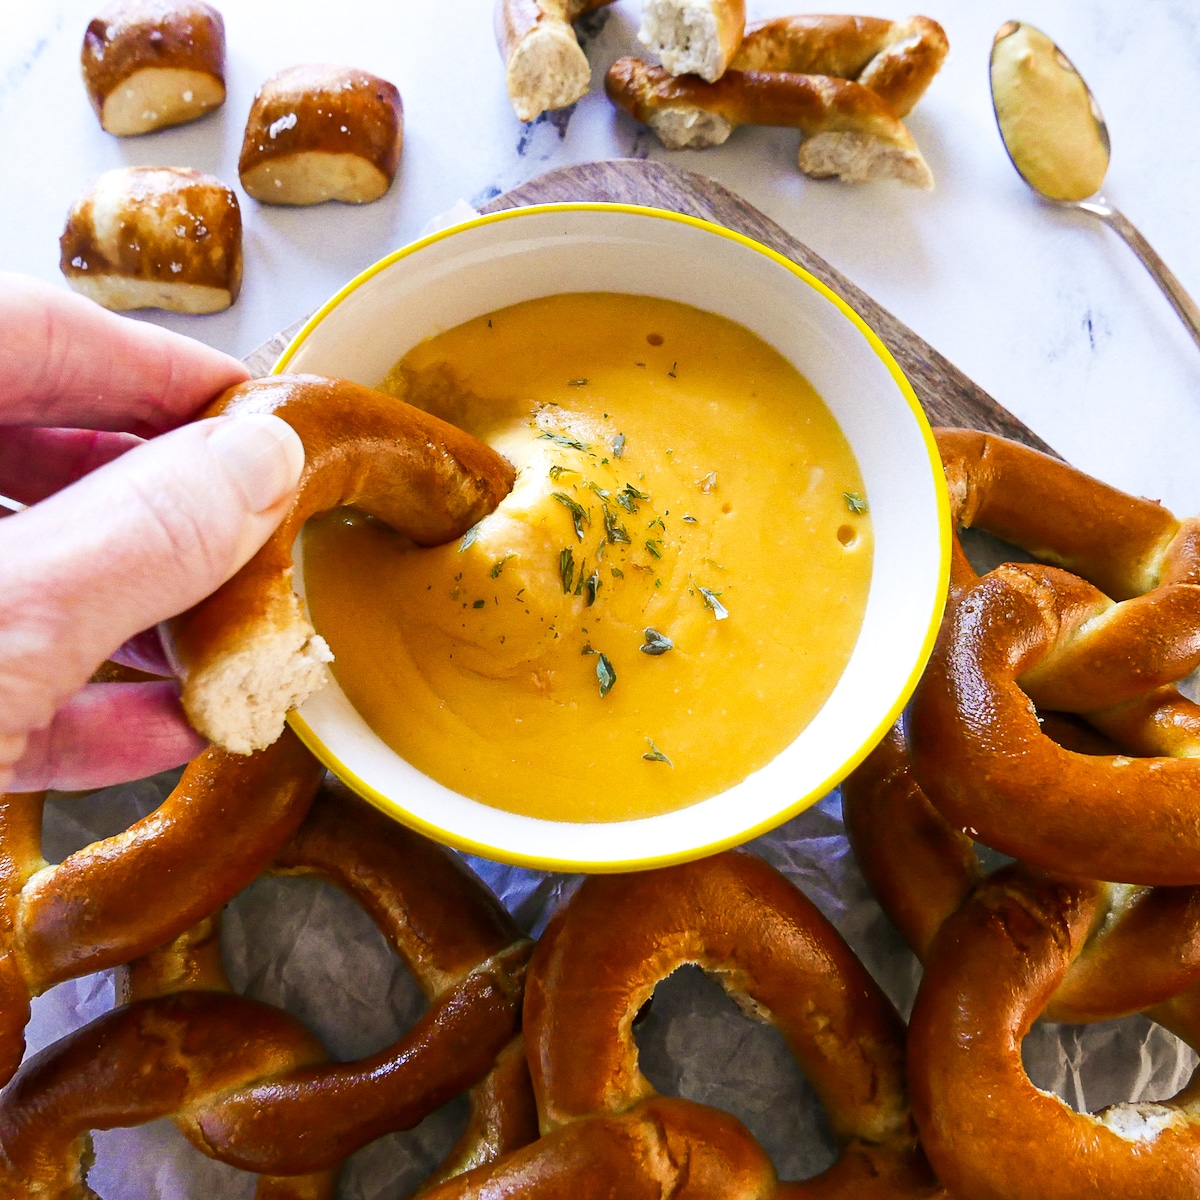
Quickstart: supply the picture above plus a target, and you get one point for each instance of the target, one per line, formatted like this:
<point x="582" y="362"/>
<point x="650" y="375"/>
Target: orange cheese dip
<point x="663" y="602"/>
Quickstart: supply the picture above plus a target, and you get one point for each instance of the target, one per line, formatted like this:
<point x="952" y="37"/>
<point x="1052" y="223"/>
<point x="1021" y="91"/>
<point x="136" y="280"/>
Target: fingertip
<point x="262" y="455"/>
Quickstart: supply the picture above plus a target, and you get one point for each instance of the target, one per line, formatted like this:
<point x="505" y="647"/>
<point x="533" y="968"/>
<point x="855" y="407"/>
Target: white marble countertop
<point x="1047" y="310"/>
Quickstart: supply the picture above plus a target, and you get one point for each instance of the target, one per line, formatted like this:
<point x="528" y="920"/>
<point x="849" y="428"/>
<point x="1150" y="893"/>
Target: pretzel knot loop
<point x="247" y="1084"/>
<point x="603" y="1124"/>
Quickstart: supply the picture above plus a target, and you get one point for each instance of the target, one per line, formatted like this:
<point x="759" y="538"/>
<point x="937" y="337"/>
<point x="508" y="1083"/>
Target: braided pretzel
<point x="599" y="962"/>
<point x="243" y="1080"/>
<point x="1143" y="946"/>
<point x="897" y="60"/>
<point x="544" y="65"/>
<point x="850" y="132"/>
<point x="213" y="834"/>
<point x="247" y="654"/>
<point x="991" y="969"/>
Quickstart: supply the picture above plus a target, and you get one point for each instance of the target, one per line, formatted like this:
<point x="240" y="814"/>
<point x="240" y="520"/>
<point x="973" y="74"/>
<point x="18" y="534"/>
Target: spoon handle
<point x="1183" y="304"/>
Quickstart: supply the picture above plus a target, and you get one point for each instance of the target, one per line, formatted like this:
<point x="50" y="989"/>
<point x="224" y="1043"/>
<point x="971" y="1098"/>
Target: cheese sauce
<point x="663" y="602"/>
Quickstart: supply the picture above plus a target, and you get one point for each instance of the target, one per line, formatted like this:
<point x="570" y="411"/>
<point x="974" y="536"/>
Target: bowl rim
<point x="466" y="844"/>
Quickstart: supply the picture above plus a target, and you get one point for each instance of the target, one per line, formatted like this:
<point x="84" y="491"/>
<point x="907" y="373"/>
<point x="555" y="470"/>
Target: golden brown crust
<point x="164" y="237"/>
<point x="247" y="654"/>
<point x="216" y="831"/>
<point x="321" y="132"/>
<point x="149" y="64"/>
<point x="245" y="1082"/>
<point x="544" y="66"/>
<point x="896" y="59"/>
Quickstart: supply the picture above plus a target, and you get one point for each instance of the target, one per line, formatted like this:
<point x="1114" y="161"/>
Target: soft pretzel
<point x="544" y="66"/>
<point x="248" y="654"/>
<point x="897" y="60"/>
<point x="849" y="131"/>
<point x="1142" y="949"/>
<point x="155" y="237"/>
<point x="213" y="834"/>
<point x="982" y="758"/>
<point x="148" y="64"/>
<point x="733" y="915"/>
<point x="245" y="1082"/>
<point x="982" y="1121"/>
<point x="320" y="132"/>
<point x="693" y="37"/>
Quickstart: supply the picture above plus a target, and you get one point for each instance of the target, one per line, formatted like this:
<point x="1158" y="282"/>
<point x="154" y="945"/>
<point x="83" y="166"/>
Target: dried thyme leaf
<point x="561" y="439"/>
<point x="591" y="587"/>
<point x="690" y="520"/>
<point x="579" y="514"/>
<point x="618" y="445"/>
<point x="656" y="643"/>
<point x="479" y="604"/>
<point x="469" y="536"/>
<point x="566" y="569"/>
<point x="614" y="531"/>
<point x="576" y="383"/>
<point x="654" y="546"/>
<point x="855" y="503"/>
<point x="603" y="493"/>
<point x="710" y="599"/>
<point x="605" y="674"/>
<point x="498" y="565"/>
<point x="654" y="754"/>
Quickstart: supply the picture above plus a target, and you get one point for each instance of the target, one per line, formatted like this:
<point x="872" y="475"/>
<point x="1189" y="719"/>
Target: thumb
<point x="138" y="540"/>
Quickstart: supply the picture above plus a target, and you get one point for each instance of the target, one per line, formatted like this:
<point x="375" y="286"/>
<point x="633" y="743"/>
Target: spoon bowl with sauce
<point x="1056" y="137"/>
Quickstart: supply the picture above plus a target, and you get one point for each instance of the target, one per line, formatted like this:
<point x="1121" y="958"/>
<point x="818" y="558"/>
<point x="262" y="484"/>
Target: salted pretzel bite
<point x="320" y="132"/>
<point x="849" y="131"/>
<point x="148" y="64"/>
<point x="897" y="60"/>
<point x="989" y="973"/>
<point x="693" y="37"/>
<point x="247" y="1083"/>
<point x="544" y="65"/>
<point x="213" y="834"/>
<point x="155" y="237"/>
<point x="247" y="654"/>
<point x="733" y="915"/>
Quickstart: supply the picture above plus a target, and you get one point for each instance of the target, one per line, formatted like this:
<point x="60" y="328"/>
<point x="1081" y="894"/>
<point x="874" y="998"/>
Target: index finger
<point x="66" y="361"/>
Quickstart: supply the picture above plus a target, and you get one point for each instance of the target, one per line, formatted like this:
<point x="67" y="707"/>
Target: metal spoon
<point x="1056" y="137"/>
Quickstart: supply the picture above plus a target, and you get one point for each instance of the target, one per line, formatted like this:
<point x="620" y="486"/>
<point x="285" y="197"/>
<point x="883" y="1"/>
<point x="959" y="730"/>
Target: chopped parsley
<point x="591" y="586"/>
<point x="614" y="531"/>
<point x="710" y="600"/>
<point x="479" y="604"/>
<point x="566" y="569"/>
<point x="654" y="754"/>
<point x="654" y="546"/>
<point x="855" y="503"/>
<point x="618" y="445"/>
<point x="656" y="643"/>
<point x="605" y="674"/>
<point x="579" y="514"/>
<point x="561" y="439"/>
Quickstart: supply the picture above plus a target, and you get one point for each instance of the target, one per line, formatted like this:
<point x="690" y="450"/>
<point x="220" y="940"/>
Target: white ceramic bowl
<point x="495" y="261"/>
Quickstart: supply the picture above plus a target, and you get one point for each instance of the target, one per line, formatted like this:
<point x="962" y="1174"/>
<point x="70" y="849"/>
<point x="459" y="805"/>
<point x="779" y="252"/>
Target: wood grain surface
<point x="948" y="396"/>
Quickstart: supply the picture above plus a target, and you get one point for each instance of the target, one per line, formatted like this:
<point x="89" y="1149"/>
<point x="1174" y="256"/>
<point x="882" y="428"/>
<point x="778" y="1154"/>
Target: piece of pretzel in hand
<point x="693" y="37"/>
<point x="544" y="65"/>
<point x="247" y="654"/>
<point x="849" y="131"/>
<point x="987" y="1129"/>
<point x="247" y="1084"/>
<point x="155" y="237"/>
<point x="320" y="132"/>
<point x="148" y="64"/>
<point x="897" y="60"/>
<point x="120" y="897"/>
<point x="599" y="962"/>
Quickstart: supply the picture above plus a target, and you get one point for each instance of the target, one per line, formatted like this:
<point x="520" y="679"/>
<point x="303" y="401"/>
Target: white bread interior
<point x="156" y="97"/>
<point x="122" y="294"/>
<point x="859" y="158"/>
<point x="690" y="128"/>
<point x="547" y="70"/>
<point x="314" y="176"/>
<point x="686" y="36"/>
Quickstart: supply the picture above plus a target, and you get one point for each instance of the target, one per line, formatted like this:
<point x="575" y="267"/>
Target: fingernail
<point x="263" y="455"/>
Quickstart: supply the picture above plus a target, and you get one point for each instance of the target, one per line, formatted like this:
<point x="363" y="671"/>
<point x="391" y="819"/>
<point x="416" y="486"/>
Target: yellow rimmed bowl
<point x="495" y="261"/>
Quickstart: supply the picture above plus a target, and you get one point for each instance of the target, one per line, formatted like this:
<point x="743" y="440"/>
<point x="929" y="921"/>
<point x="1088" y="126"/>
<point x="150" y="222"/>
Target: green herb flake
<point x="855" y="503"/>
<point x="671" y="372"/>
<point x="576" y="383"/>
<point x="479" y="604"/>
<point x="654" y="546"/>
<point x="592" y="586"/>
<point x="561" y="439"/>
<point x="566" y="569"/>
<point x="587" y="648"/>
<point x="469" y="537"/>
<point x="654" y="754"/>
<point x="618" y="445"/>
<point x="690" y="520"/>
<point x="710" y="600"/>
<point x="707" y="483"/>
<point x="617" y="572"/>
<point x="498" y="565"/>
<point x="605" y="674"/>
<point x="556" y="472"/>
<point x="614" y="531"/>
<point x="628" y="497"/>
<point x="579" y="514"/>
<point x="603" y="493"/>
<point x="656" y="643"/>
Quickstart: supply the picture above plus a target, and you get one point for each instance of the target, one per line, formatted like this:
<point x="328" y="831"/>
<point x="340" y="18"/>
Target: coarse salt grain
<point x="277" y="127"/>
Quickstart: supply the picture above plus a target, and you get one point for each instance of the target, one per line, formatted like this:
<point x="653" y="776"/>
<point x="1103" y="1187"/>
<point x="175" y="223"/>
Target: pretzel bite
<point x="248" y="654"/>
<point x="693" y="37"/>
<point x="544" y="65"/>
<point x="849" y="131"/>
<point x="320" y="132"/>
<point x="155" y="237"/>
<point x="148" y="64"/>
<point x="896" y="59"/>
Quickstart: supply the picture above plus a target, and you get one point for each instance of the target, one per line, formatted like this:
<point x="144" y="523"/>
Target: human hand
<point x="121" y="532"/>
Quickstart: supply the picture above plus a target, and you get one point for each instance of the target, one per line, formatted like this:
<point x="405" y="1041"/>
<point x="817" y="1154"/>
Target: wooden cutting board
<point x="948" y="396"/>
